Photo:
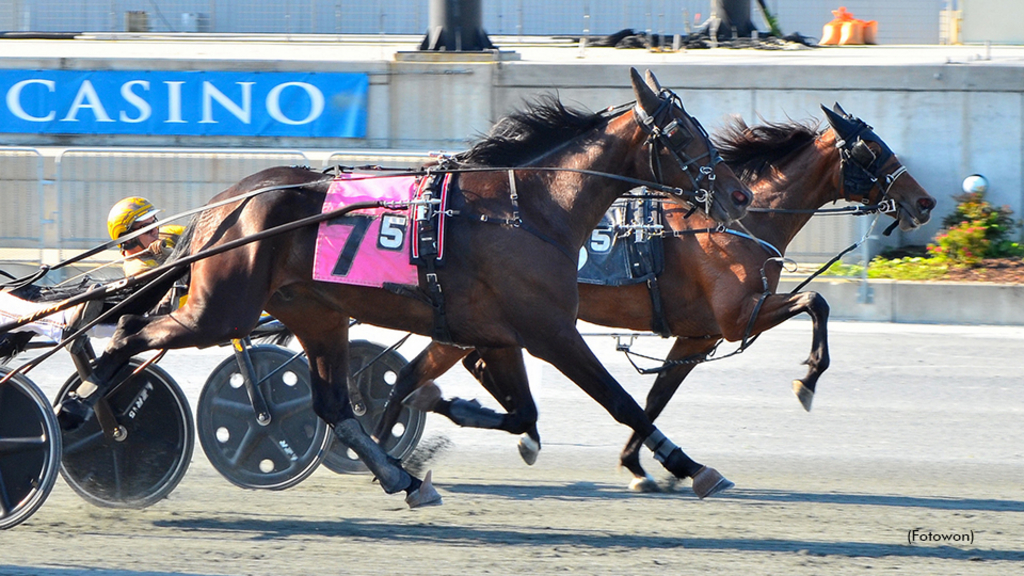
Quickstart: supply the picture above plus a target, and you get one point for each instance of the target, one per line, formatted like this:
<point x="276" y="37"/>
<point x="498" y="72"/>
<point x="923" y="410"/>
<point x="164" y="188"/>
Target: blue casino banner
<point x="200" y="103"/>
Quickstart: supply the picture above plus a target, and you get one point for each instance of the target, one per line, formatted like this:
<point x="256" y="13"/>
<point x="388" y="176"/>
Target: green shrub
<point x="974" y="231"/>
<point x="964" y="244"/>
<point x="997" y="223"/>
<point x="907" y="268"/>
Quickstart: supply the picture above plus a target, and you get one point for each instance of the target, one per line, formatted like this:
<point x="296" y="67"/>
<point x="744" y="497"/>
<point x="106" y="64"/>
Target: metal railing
<point x="908" y="21"/>
<point x="55" y="204"/>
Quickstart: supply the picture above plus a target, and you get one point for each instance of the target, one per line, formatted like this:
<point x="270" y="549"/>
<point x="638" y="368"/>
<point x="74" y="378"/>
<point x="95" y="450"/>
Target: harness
<point x="860" y="170"/>
<point x="672" y="137"/>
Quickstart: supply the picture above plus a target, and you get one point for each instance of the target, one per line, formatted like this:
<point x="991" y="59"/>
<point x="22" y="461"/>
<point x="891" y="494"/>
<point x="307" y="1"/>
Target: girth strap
<point x="659" y="325"/>
<point x="427" y="234"/>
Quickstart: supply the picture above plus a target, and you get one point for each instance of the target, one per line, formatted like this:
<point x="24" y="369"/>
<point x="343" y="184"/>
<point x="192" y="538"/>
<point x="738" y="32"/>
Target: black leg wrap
<point x="470" y="413"/>
<point x="391" y="476"/>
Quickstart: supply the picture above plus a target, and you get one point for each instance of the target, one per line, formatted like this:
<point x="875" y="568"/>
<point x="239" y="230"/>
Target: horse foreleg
<point x="778" y="308"/>
<point x="664" y="387"/>
<point x="417" y="375"/>
<point x="565" y="349"/>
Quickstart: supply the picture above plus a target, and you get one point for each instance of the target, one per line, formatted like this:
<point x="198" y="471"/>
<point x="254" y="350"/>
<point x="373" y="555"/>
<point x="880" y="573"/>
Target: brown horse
<point x="525" y="199"/>
<point x="712" y="286"/>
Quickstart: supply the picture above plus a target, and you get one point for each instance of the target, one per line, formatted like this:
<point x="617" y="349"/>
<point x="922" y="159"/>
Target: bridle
<point x="674" y="137"/>
<point x="860" y="168"/>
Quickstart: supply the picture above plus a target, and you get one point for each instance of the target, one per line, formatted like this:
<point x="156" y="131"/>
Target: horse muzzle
<point x="912" y="215"/>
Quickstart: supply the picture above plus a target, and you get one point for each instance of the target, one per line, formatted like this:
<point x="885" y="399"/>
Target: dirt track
<point x="914" y="427"/>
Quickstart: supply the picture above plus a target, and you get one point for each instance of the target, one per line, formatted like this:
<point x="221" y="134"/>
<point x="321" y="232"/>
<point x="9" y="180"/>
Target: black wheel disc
<point x="29" y="449"/>
<point x="278" y="455"/>
<point x="152" y="457"/>
<point x="375" y="384"/>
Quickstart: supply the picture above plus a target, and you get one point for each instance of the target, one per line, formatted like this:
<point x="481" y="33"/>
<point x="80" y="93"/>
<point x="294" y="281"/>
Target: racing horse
<point x="715" y="285"/>
<point x="526" y="198"/>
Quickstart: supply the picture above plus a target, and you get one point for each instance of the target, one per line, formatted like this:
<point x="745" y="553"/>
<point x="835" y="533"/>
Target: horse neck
<point x="571" y="204"/>
<point x="807" y="180"/>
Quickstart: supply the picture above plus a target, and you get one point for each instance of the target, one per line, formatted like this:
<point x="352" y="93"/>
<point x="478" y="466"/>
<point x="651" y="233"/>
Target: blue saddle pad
<point x="614" y="256"/>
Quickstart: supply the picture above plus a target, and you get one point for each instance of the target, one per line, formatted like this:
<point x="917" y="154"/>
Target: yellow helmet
<point x="126" y="213"/>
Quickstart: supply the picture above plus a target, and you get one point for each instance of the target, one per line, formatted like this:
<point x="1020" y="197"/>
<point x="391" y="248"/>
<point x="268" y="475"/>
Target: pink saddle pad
<point x="366" y="247"/>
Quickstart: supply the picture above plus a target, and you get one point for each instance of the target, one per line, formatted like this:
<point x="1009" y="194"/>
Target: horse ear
<point x="838" y="121"/>
<point x="839" y="110"/>
<point x="645" y="97"/>
<point x="652" y="81"/>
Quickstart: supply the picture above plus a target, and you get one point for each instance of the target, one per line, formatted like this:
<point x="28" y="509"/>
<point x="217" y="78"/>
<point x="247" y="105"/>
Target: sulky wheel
<point x="278" y="453"/>
<point x="375" y="384"/>
<point x="149" y="455"/>
<point x="29" y="449"/>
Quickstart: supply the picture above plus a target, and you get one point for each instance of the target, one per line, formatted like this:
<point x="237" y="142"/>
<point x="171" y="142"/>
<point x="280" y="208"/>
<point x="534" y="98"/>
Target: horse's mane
<point x="525" y="134"/>
<point x="749" y="149"/>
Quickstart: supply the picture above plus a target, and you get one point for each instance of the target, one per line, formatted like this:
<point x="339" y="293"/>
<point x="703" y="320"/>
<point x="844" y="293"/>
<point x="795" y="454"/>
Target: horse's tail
<point x="12" y="344"/>
<point x="184" y="241"/>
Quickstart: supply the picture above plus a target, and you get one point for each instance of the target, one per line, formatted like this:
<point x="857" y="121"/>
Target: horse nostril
<point x="926" y="204"/>
<point x="740" y="197"/>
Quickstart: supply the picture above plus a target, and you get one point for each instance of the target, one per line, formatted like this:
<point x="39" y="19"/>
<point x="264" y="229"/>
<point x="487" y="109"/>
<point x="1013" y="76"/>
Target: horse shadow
<point x="673" y="490"/>
<point x="264" y="529"/>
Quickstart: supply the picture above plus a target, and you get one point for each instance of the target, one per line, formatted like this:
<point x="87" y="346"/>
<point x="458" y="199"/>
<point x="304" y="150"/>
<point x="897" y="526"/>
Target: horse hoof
<point x="425" y="398"/>
<point x="646" y="485"/>
<point x="804" y="394"/>
<point x="708" y="482"/>
<point x="425" y="495"/>
<point x="529" y="449"/>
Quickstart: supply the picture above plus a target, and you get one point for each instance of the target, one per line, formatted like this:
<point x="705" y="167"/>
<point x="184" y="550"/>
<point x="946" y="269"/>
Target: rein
<point x="44" y="269"/>
<point x="884" y="206"/>
<point x="165" y="271"/>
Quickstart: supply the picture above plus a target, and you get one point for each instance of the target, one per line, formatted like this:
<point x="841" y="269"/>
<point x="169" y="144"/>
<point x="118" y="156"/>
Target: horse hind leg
<point x="134" y="335"/>
<point x="327" y="352"/>
<point x="502" y="373"/>
<point x="430" y="363"/>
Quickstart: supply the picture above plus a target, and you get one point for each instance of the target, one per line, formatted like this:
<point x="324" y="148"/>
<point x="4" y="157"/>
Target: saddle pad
<point x="608" y="259"/>
<point x="366" y="247"/>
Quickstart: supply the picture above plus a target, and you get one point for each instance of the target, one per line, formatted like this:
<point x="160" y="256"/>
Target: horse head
<point x="681" y="153"/>
<point x="870" y="172"/>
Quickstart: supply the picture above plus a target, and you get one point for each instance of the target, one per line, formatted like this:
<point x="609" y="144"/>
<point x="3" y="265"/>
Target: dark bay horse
<point x="712" y="286"/>
<point x="525" y="200"/>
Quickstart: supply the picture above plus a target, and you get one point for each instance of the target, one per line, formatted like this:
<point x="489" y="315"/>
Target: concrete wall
<point x="944" y="121"/>
<point x="947" y="111"/>
<point x="920" y="302"/>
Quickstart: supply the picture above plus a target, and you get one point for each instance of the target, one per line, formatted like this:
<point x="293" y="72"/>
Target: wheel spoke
<point x="84" y="443"/>
<point x="15" y="445"/>
<point x="289" y="408"/>
<point x="245" y="448"/>
<point x="241" y="410"/>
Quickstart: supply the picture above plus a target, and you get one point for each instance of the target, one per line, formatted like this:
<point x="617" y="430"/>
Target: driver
<point x="139" y="254"/>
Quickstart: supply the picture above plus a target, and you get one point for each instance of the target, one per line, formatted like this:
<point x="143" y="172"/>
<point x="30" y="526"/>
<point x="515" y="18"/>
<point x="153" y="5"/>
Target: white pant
<point x="52" y="326"/>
